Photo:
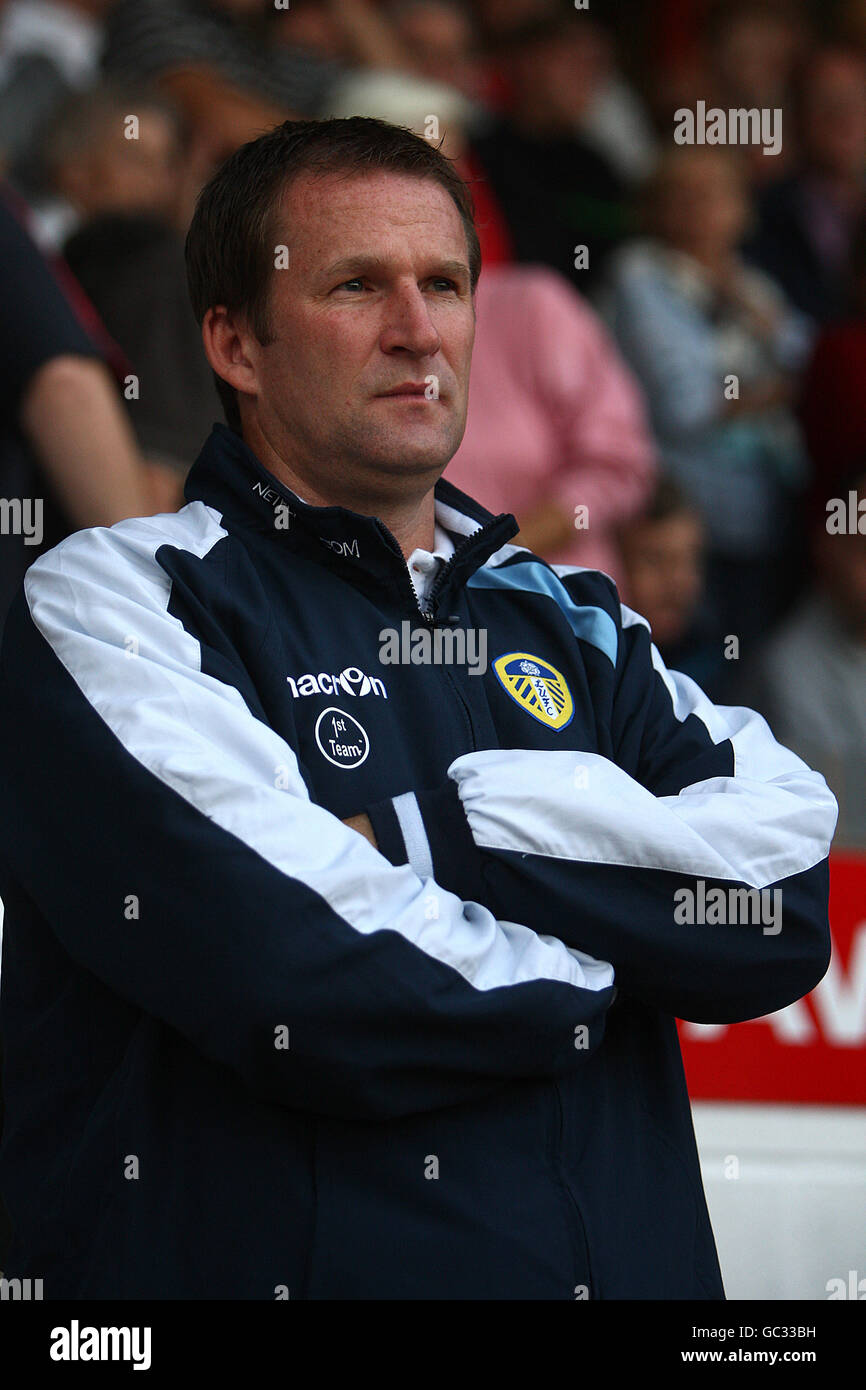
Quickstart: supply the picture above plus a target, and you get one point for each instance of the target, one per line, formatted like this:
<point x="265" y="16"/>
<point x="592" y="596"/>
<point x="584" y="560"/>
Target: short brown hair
<point x="230" y="242"/>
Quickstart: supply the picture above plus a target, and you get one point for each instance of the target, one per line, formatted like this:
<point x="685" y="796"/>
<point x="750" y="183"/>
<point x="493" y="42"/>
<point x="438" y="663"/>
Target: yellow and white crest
<point x="537" y="687"/>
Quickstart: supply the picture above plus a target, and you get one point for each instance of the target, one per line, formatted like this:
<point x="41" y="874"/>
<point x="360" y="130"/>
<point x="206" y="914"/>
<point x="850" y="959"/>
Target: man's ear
<point x="229" y="346"/>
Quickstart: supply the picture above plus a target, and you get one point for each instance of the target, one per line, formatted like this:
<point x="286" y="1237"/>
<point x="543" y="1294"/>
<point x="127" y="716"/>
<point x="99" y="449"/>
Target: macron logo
<point x="76" y="1343"/>
<point x="351" y="681"/>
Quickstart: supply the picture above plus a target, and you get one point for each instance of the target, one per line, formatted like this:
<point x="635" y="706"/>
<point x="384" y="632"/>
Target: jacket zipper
<point x="429" y="614"/>
<point x="564" y="1183"/>
<point x="439" y="581"/>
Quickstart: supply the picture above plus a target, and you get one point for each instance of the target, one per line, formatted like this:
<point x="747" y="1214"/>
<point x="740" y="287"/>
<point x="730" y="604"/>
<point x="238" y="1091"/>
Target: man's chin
<point x="416" y="463"/>
<point x="411" y="456"/>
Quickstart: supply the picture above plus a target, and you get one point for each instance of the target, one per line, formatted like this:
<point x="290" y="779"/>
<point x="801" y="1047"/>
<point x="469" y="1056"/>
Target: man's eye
<point x="438" y="282"/>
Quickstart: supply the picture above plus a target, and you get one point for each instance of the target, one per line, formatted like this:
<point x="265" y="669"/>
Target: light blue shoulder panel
<point x="587" y="622"/>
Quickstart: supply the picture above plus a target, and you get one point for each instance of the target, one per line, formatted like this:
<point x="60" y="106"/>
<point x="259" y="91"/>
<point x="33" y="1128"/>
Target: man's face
<point x="375" y="297"/>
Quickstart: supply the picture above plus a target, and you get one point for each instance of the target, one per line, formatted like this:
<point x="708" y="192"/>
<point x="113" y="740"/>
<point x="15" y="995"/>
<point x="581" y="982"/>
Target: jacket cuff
<point x="429" y="831"/>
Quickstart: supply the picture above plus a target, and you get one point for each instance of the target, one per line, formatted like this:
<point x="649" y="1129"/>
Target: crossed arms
<point x="490" y="955"/>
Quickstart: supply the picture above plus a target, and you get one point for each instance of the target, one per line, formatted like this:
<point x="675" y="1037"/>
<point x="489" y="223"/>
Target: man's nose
<point x="408" y="326"/>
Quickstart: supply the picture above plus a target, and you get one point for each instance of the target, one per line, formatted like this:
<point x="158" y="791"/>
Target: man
<point x="662" y="554"/>
<point x="806" y="221"/>
<point x="68" y="457"/>
<point x="327" y="973"/>
<point x="810" y="678"/>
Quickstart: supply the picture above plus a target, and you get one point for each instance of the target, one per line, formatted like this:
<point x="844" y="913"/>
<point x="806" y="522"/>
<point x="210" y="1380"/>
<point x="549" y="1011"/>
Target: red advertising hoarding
<point x="815" y="1050"/>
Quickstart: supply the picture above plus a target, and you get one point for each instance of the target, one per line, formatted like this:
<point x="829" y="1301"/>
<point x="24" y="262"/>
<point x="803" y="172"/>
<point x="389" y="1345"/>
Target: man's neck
<point x="411" y="520"/>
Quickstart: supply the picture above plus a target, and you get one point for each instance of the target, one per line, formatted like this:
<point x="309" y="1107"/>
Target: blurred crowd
<point x="669" y="380"/>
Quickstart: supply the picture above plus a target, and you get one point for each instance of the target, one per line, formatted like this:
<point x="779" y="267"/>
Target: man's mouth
<point x="405" y="389"/>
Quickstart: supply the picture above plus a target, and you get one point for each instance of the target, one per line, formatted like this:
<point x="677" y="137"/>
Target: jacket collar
<point x="228" y="476"/>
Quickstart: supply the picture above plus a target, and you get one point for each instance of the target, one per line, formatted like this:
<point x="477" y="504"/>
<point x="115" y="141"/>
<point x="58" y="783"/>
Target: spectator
<point x="753" y="47"/>
<point x="806" y="221"/>
<point x="218" y="60"/>
<point x="95" y="162"/>
<point x="312" y="27"/>
<point x="714" y="345"/>
<point x="662" y="552"/>
<point x="614" y="121"/>
<point x="810" y="682"/>
<point x="753" y="50"/>
<point x="132" y="270"/>
<point x="501" y="18"/>
<point x="556" y="191"/>
<point x="368" y="38"/>
<point x="69" y="33"/>
<point x="440" y="39"/>
<point x="833" y="396"/>
<point x="236" y="67"/>
<point x="555" y="423"/>
<point x="67" y="454"/>
<point x="48" y="50"/>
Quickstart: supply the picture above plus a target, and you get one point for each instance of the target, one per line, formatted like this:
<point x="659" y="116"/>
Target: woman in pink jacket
<point x="556" y="431"/>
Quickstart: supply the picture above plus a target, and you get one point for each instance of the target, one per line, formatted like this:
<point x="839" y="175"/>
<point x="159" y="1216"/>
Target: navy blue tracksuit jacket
<point x="249" y="1056"/>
